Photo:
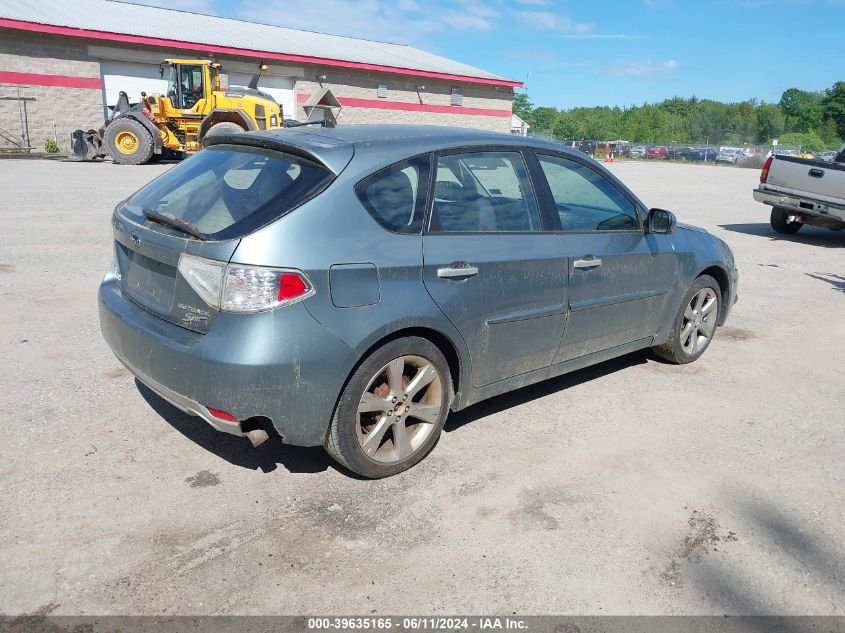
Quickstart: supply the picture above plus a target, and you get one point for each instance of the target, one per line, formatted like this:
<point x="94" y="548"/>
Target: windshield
<point x="227" y="191"/>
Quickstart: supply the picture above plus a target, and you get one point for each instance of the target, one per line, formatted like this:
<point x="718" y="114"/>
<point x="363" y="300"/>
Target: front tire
<point x="128" y="142"/>
<point x="781" y="224"/>
<point x="695" y="324"/>
<point x="392" y="410"/>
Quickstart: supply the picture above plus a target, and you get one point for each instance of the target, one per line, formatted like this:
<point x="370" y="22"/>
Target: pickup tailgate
<point x="815" y="179"/>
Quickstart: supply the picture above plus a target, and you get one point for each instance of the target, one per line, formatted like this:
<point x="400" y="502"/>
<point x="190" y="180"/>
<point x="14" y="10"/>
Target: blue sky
<point x="604" y="52"/>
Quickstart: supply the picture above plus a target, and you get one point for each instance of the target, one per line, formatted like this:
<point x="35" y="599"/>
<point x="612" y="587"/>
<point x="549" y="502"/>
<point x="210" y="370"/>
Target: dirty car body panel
<point x="508" y="300"/>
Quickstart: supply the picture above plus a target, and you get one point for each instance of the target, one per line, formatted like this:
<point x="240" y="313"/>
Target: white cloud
<point x="552" y="21"/>
<point x="602" y="36"/>
<point x="639" y="68"/>
<point x="466" y="21"/>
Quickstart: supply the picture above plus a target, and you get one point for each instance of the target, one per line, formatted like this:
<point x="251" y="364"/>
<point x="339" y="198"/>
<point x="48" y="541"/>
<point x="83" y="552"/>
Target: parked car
<point x="638" y="151"/>
<point x="803" y="191"/>
<point x="828" y="157"/>
<point x="657" y="152"/>
<point x="587" y="147"/>
<point x="731" y="156"/>
<point x="678" y="152"/>
<point x="702" y="154"/>
<point x="349" y="287"/>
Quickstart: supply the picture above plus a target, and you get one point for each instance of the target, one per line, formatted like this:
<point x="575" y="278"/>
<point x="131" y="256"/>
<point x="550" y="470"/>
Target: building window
<point x="382" y="91"/>
<point x="457" y="96"/>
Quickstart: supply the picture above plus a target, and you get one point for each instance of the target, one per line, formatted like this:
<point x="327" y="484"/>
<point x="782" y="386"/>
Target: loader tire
<point x="224" y="127"/>
<point x="128" y="142"/>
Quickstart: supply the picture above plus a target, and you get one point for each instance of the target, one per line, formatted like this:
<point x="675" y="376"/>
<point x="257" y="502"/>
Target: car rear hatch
<point x="200" y="209"/>
<point x="148" y="261"/>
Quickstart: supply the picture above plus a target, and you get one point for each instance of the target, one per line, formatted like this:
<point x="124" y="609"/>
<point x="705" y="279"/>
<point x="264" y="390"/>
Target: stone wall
<point x="67" y="108"/>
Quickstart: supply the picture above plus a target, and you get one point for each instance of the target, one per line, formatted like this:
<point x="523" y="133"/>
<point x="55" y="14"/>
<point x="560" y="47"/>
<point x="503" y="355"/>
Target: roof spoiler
<point x="330" y="153"/>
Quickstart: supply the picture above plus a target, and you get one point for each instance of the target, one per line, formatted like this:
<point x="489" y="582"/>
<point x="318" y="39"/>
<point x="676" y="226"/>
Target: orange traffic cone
<point x="609" y="158"/>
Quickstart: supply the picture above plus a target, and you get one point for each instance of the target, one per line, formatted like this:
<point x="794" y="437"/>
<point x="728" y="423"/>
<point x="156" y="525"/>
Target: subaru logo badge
<point x="135" y="239"/>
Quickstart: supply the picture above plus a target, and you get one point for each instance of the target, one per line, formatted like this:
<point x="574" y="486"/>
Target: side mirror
<point x="661" y="221"/>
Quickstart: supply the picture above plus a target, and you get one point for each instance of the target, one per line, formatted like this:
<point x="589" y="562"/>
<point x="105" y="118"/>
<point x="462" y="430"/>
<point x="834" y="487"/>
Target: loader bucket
<point x="84" y="145"/>
<point x="78" y="146"/>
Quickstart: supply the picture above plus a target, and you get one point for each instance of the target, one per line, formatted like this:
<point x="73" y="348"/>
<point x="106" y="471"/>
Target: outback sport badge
<point x="192" y="314"/>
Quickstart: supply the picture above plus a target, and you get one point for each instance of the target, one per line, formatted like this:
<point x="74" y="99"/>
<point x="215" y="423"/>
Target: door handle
<point x="816" y="173"/>
<point x="456" y="271"/>
<point x="590" y="262"/>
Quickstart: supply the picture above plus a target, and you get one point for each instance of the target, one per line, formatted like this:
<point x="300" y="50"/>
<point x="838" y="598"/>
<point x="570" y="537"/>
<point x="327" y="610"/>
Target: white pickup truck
<point x="804" y="191"/>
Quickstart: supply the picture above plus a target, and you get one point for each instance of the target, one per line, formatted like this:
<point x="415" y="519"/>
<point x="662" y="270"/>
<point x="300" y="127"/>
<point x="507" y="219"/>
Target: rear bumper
<point x="281" y="364"/>
<point x="186" y="404"/>
<point x="817" y="208"/>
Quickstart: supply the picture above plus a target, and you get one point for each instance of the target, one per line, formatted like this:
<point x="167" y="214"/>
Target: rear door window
<point x="395" y="197"/>
<point x="227" y="191"/>
<point x="483" y="192"/>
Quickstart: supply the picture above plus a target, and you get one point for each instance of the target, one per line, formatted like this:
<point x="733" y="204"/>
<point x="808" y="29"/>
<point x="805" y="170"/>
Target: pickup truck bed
<point x="803" y="191"/>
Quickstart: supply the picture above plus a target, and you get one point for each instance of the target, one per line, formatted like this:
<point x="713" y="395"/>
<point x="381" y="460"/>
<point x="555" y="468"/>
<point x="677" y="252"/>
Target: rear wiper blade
<point x="174" y="223"/>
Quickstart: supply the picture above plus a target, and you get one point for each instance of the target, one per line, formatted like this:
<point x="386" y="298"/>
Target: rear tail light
<point x="238" y="288"/>
<point x="764" y="174"/>
<point x="253" y="289"/>
<point x="204" y="276"/>
<point x="222" y="415"/>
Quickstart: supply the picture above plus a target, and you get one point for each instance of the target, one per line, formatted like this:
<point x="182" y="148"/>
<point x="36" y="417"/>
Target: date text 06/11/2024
<point x="415" y="623"/>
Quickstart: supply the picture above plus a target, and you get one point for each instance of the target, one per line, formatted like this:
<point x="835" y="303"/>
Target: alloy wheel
<point x="399" y="408"/>
<point x="699" y="321"/>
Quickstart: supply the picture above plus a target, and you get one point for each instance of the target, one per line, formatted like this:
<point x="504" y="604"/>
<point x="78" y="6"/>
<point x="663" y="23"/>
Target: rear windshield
<point x="227" y="191"/>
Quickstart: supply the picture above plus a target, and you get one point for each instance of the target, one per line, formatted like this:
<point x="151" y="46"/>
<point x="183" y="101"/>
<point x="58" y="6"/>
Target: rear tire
<point x="128" y="142"/>
<point x="224" y="127"/>
<point x="392" y="410"/>
<point x="695" y="324"/>
<point x="780" y="223"/>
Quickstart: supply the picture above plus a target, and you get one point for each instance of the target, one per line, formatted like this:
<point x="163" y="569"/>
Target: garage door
<point x="281" y="88"/>
<point x="132" y="79"/>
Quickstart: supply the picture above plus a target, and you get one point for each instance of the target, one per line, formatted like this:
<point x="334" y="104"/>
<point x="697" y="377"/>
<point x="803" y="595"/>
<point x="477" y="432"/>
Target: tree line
<point x="811" y="120"/>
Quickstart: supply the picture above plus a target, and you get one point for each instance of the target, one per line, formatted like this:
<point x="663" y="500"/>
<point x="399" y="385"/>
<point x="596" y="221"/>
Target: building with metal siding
<point x="62" y="65"/>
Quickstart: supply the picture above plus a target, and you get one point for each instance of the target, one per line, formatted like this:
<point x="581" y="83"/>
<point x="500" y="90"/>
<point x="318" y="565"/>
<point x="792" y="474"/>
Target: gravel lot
<point x="631" y="487"/>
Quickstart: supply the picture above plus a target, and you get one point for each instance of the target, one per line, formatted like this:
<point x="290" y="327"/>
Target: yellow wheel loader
<point x="198" y="103"/>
